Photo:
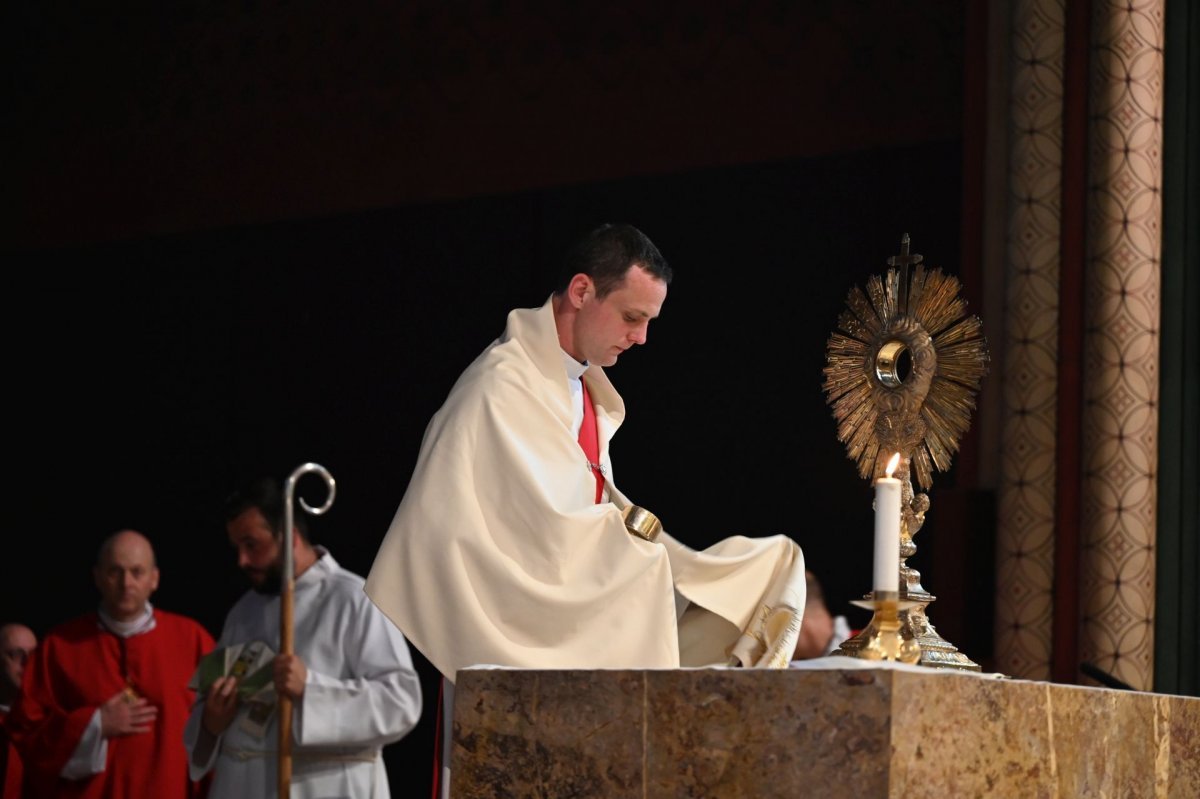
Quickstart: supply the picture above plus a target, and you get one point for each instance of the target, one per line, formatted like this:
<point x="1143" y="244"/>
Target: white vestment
<point x="361" y="693"/>
<point x="498" y="553"/>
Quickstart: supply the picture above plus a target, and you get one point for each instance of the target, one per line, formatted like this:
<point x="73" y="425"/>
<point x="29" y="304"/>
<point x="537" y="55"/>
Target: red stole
<point x="437" y="743"/>
<point x="589" y="440"/>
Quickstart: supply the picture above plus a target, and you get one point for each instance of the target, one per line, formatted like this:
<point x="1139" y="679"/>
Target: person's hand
<point x="220" y="705"/>
<point x="290" y="675"/>
<point x="124" y="714"/>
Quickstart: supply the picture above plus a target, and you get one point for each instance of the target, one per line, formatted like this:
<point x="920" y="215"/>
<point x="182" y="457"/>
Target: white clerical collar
<point x="321" y="568"/>
<point x="575" y="369"/>
<point x="127" y="629"/>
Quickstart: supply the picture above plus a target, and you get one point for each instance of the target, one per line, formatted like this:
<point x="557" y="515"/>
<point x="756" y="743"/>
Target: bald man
<point x="17" y="643"/>
<point x="105" y="696"/>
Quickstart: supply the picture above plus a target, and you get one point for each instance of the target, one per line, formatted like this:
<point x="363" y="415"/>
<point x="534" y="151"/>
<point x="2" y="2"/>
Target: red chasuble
<point x="10" y="765"/>
<point x="78" y="667"/>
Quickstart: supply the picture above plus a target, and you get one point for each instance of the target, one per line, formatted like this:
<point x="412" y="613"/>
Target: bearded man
<point x="351" y="679"/>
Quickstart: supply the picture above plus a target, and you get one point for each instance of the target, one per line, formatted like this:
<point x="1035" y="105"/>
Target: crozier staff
<point x="287" y="647"/>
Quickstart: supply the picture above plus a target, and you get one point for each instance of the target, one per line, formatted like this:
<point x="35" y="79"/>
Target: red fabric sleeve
<point x="43" y="732"/>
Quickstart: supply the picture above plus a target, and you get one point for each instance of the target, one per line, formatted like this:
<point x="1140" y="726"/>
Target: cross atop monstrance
<point x="902" y="372"/>
<point x="903" y="261"/>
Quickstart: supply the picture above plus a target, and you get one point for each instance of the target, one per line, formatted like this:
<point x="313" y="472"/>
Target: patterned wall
<point x="1120" y="416"/>
<point x="1120" y="302"/>
<point x="1026" y="506"/>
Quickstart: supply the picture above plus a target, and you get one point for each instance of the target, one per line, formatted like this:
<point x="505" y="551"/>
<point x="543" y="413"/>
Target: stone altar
<point x="861" y="732"/>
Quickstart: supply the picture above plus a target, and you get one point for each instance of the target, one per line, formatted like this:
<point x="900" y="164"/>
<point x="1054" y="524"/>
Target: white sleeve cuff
<point x="90" y="753"/>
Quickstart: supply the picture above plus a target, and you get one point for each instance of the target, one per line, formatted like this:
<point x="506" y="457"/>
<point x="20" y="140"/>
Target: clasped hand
<point x="123" y="714"/>
<point x="290" y="675"/>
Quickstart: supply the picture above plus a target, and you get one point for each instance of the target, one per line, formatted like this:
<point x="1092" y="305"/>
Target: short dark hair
<point x="813" y="589"/>
<point x="605" y="255"/>
<point x="266" y="494"/>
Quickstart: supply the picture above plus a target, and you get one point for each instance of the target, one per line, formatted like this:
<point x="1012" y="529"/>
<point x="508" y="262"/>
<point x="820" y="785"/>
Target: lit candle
<point x="887" y="530"/>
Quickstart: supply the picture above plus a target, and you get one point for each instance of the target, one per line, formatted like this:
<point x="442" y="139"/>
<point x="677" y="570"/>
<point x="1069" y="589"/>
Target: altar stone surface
<point x="833" y="733"/>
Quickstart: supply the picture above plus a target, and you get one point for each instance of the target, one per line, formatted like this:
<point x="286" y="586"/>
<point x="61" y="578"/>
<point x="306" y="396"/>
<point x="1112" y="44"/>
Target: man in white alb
<point x="351" y="679"/>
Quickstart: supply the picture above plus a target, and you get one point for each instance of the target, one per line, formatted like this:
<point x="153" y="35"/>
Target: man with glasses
<point x="17" y="643"/>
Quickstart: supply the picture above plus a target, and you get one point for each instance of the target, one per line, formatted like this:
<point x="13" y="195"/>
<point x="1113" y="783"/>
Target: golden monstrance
<point x="902" y="372"/>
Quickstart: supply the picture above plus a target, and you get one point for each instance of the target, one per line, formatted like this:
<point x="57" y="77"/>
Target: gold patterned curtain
<point x="1116" y="409"/>
<point x="1120" y="402"/>
<point x="1026" y="502"/>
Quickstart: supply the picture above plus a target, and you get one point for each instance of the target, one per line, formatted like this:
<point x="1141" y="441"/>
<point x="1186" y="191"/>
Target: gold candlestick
<point x="882" y="637"/>
<point x="901" y="375"/>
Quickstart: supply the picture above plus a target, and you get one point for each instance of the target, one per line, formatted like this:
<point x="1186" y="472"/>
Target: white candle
<point x="887" y="530"/>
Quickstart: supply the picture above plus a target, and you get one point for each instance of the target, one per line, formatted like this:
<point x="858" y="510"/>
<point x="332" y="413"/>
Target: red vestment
<point x="78" y="667"/>
<point x="10" y="765"/>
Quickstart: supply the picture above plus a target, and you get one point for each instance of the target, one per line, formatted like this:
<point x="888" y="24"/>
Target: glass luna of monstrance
<point x="901" y="375"/>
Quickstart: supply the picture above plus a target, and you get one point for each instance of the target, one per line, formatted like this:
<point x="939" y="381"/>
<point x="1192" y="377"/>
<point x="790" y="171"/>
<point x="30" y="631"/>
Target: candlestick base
<point x="936" y="651"/>
<point x="883" y="638"/>
<point x="913" y="627"/>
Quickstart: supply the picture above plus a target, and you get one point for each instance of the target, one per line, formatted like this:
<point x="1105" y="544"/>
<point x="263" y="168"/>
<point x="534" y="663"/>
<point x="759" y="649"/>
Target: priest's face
<point x="126" y="575"/>
<point x="17" y="643"/>
<point x="815" y="633"/>
<point x="258" y="550"/>
<point x="605" y="328"/>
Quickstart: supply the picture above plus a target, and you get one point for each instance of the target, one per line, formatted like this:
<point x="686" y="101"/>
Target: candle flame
<point x="893" y="463"/>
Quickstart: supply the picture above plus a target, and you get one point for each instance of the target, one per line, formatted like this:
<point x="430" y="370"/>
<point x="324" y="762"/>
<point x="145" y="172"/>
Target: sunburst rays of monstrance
<point x="902" y="372"/>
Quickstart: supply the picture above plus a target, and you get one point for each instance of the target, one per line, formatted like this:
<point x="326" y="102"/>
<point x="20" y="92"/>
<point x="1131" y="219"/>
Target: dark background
<point x="248" y="237"/>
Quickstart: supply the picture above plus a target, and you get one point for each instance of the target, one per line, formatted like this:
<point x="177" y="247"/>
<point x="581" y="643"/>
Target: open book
<point x="250" y="663"/>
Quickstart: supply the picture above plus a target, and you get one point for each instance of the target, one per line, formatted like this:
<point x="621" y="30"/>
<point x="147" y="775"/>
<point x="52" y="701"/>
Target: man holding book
<point x="351" y="679"/>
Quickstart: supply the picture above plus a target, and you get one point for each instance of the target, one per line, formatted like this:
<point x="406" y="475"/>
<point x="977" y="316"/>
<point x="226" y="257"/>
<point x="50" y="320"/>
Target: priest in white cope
<point x="351" y="679"/>
<point x="510" y="547"/>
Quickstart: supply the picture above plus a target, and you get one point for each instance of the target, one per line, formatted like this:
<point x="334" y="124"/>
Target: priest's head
<point x="126" y="574"/>
<point x="17" y="643"/>
<point x="816" y="629"/>
<point x="254" y="519"/>
<point x="614" y="281"/>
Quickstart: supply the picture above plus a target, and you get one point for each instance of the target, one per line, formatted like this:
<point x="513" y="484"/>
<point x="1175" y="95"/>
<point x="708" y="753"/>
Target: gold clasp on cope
<point x="641" y="522"/>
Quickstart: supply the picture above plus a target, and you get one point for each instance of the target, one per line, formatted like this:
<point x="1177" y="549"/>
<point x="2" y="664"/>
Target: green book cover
<point x="250" y="663"/>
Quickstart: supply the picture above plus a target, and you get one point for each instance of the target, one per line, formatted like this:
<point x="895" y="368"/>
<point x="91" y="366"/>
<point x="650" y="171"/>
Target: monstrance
<point x="902" y="372"/>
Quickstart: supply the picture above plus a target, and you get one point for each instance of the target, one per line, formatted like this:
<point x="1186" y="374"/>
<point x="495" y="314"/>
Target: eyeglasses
<point x="17" y="655"/>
